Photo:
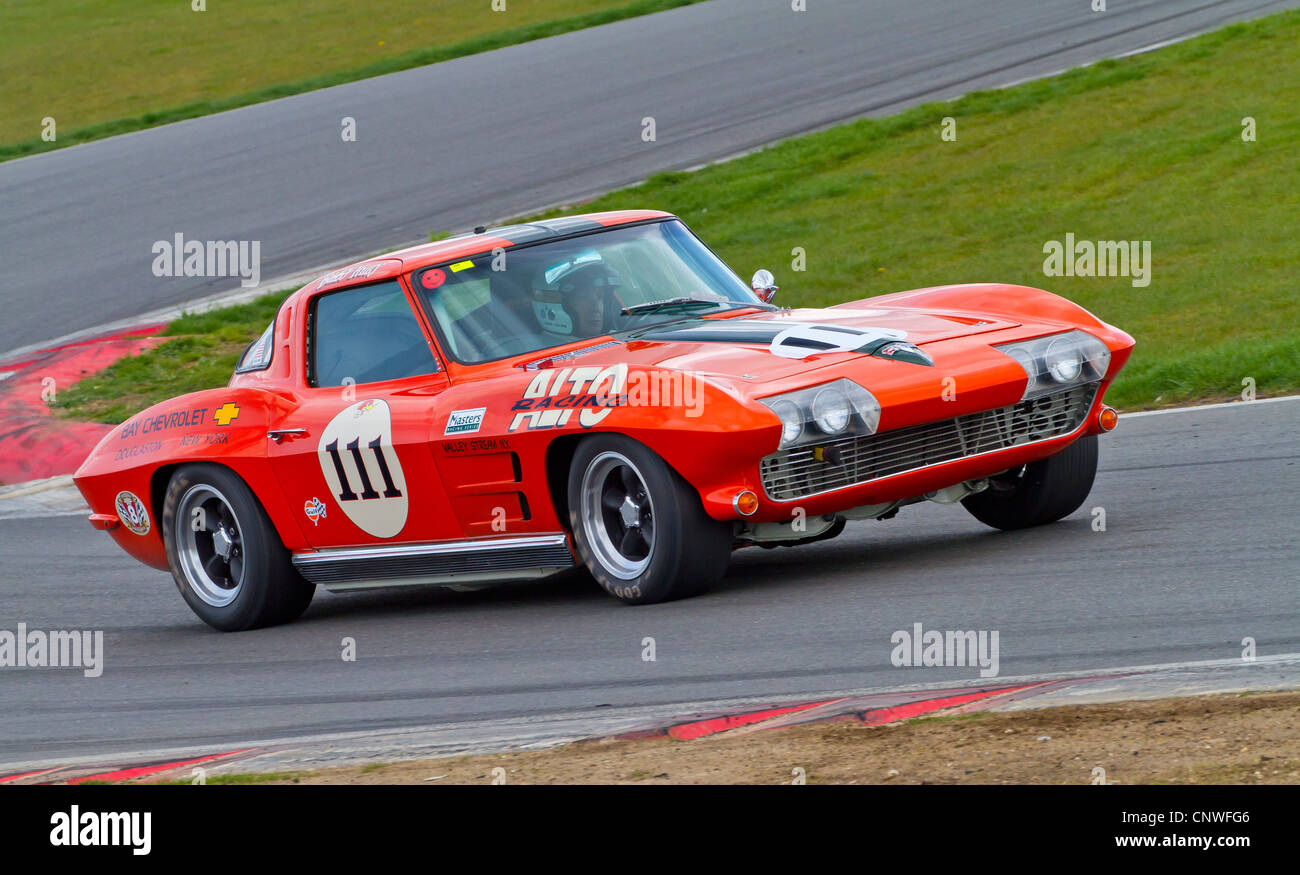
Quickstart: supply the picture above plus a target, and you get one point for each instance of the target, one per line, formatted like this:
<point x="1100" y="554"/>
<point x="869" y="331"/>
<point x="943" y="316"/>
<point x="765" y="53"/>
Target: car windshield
<point x="536" y="297"/>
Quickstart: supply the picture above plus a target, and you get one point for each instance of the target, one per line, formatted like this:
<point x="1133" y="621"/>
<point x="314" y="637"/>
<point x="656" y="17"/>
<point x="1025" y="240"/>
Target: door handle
<point x="279" y="434"/>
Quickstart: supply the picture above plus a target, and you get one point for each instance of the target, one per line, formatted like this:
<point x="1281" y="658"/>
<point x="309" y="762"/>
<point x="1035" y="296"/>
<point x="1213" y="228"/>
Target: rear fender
<point x="218" y="426"/>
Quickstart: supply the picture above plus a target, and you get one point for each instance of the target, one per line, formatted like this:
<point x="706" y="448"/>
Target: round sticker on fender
<point x="132" y="512"/>
<point x="362" y="469"/>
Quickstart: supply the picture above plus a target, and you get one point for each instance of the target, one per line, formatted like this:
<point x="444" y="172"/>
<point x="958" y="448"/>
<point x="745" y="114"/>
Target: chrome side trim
<point x="342" y="554"/>
<point x="449" y="563"/>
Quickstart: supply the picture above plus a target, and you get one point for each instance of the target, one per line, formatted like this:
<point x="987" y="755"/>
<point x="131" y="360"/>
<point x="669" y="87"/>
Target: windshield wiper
<point x="676" y="320"/>
<point x="666" y="303"/>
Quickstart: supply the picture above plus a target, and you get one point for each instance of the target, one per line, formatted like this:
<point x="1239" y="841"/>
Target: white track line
<point x="1238" y="404"/>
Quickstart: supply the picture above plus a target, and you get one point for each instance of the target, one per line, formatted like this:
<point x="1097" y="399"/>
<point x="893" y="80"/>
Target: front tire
<point x="638" y="527"/>
<point x="225" y="555"/>
<point x="1040" y="492"/>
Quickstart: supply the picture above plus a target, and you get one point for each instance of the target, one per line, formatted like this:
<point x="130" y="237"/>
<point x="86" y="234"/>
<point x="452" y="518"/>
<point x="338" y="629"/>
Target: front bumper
<point x="806" y="472"/>
<point x="908" y="461"/>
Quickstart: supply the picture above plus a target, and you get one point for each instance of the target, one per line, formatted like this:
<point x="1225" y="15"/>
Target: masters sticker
<point x="465" y="421"/>
<point x="132" y="512"/>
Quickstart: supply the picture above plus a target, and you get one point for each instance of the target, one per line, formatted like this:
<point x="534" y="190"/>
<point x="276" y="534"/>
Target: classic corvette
<point x="600" y="391"/>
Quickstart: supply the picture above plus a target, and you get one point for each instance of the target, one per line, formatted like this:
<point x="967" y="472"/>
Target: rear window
<point x="257" y="355"/>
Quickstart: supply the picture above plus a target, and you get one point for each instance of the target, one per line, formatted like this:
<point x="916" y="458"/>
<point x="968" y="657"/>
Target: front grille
<point x="795" y="473"/>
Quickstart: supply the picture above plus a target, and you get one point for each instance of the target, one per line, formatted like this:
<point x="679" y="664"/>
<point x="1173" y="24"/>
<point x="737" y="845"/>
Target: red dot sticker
<point x="433" y="278"/>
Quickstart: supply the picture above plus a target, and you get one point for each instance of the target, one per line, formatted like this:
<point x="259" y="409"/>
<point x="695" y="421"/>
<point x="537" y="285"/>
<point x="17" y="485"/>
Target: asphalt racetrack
<point x="1198" y="553"/>
<point x="484" y="137"/>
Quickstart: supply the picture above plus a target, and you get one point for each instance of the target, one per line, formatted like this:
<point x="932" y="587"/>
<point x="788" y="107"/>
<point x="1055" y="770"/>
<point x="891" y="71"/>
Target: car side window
<point x="366" y="334"/>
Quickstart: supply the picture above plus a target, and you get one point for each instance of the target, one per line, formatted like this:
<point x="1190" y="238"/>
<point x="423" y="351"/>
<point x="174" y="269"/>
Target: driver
<point x="583" y="296"/>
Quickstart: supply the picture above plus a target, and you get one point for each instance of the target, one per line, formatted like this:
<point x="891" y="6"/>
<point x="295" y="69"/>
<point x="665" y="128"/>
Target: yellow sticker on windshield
<point x="461" y="265"/>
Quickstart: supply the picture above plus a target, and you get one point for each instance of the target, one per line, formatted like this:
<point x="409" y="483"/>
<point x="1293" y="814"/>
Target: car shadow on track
<point x="564" y="590"/>
<point x="882" y="556"/>
<point x="863" y="557"/>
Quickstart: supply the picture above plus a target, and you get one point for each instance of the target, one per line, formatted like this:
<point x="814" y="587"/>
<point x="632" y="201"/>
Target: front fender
<point x="703" y="428"/>
<point x="1019" y="303"/>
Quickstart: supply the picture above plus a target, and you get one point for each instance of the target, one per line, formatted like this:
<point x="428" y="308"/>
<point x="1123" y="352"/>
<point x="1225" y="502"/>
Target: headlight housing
<point x="824" y="412"/>
<point x="791" y="420"/>
<point x="1058" y="361"/>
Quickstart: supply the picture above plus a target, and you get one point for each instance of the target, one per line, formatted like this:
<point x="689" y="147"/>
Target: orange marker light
<point x="1108" y="418"/>
<point x="745" y="503"/>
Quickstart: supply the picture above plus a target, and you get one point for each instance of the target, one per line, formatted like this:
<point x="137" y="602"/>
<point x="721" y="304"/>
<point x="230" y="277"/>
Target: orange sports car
<point x="598" y="391"/>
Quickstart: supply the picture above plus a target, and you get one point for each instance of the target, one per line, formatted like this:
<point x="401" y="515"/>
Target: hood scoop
<point x="898" y="351"/>
<point x="797" y="340"/>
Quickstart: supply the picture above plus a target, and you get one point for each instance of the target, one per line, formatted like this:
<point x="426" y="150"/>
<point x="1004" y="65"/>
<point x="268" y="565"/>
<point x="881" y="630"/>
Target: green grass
<point x="240" y="778"/>
<point x="106" y="67"/>
<point x="1143" y="148"/>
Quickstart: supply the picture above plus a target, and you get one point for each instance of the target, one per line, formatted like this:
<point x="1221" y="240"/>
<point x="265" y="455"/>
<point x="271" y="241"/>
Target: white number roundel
<point x="362" y="469"/>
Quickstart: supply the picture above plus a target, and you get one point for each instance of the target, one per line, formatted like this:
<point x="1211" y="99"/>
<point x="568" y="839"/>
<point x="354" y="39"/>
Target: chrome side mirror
<point x="764" y="285"/>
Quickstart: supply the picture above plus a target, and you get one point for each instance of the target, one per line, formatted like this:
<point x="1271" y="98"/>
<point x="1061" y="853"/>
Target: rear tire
<point x="639" y="527"/>
<point x="225" y="555"/>
<point x="1040" y="492"/>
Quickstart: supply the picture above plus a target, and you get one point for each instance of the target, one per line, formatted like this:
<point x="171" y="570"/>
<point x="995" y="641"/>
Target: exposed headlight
<point x="818" y="413"/>
<point x="791" y="420"/>
<point x="831" y="410"/>
<point x="1022" y="357"/>
<point x="1063" y="360"/>
<point x="1066" y="359"/>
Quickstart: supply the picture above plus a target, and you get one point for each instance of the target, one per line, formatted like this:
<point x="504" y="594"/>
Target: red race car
<point x="597" y="391"/>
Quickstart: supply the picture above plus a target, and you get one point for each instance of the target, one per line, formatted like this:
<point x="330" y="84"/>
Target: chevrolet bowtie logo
<point x="226" y="413"/>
